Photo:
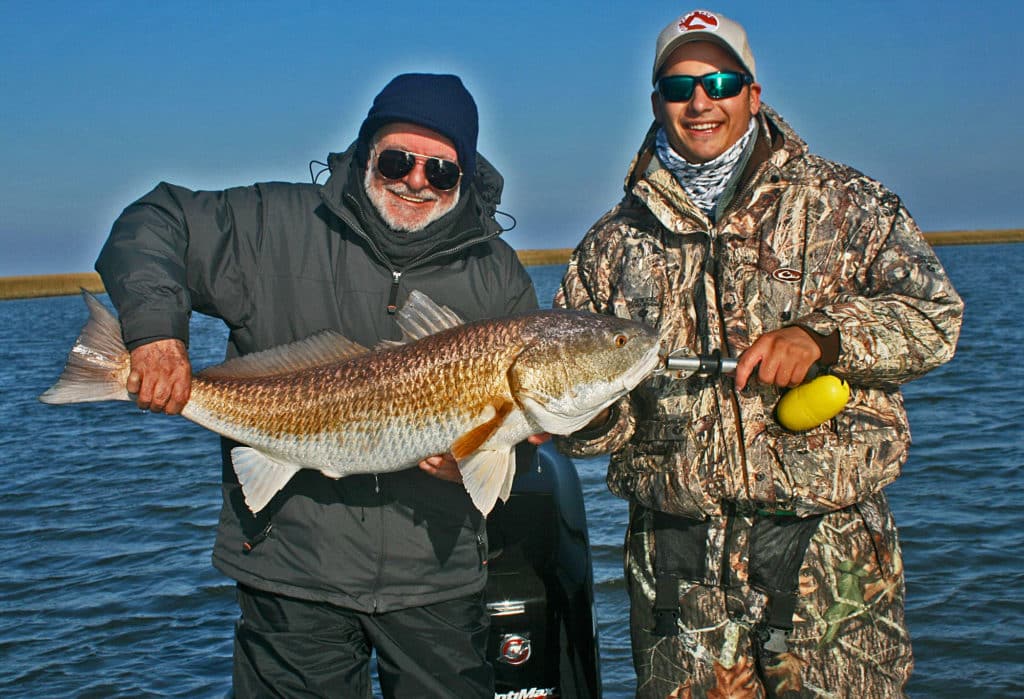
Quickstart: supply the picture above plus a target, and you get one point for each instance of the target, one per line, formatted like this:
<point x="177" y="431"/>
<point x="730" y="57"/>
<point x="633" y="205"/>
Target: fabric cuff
<point x="600" y="439"/>
<point x="825" y="333"/>
<point x="155" y="327"/>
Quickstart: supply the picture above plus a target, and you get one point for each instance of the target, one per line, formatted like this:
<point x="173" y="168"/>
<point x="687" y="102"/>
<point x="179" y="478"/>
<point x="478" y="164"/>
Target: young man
<point x="333" y="570"/>
<point x="759" y="562"/>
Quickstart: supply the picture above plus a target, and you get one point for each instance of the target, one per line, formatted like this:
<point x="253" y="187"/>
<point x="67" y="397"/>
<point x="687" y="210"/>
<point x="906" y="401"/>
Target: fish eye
<point x="621" y="340"/>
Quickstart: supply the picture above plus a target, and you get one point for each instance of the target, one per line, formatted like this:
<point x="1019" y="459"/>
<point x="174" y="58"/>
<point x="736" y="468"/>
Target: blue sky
<point x="101" y="100"/>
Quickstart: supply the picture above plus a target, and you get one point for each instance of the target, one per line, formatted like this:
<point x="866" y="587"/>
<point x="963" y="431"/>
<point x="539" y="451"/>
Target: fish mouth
<point x="652" y="364"/>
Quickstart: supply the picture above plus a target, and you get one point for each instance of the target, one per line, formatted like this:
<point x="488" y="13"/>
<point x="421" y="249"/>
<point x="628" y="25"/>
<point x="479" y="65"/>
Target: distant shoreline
<point x="40" y="285"/>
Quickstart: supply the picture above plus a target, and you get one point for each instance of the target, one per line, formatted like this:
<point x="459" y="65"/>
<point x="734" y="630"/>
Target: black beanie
<point x="438" y="102"/>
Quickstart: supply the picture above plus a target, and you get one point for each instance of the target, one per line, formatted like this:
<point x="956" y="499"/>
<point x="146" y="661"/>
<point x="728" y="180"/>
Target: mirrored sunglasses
<point x="395" y="164"/>
<point x="718" y="86"/>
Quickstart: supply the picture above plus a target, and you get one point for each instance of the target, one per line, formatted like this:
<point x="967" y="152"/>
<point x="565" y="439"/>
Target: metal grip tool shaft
<point x="712" y="364"/>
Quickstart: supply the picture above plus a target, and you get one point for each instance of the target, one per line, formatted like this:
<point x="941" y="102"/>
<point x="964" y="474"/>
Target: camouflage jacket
<point x="804" y="241"/>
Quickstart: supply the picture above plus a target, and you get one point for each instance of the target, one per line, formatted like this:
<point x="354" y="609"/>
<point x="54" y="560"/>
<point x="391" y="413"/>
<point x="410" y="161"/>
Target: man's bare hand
<point x="781" y="357"/>
<point x="161" y="376"/>
<point x="442" y="466"/>
<point x="445" y="467"/>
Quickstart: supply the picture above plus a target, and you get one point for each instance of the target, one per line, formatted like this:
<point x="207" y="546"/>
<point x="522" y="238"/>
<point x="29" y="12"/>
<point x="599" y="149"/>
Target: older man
<point x="759" y="561"/>
<point x="333" y="571"/>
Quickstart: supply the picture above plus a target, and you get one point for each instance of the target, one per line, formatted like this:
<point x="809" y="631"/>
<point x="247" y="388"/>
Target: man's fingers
<point x="768" y="372"/>
<point x="170" y="394"/>
<point x="144" y="393"/>
<point x="746" y="365"/>
<point x="161" y="394"/>
<point x="180" y="393"/>
<point x="781" y="358"/>
<point x="161" y="376"/>
<point x="134" y="382"/>
<point x="442" y="466"/>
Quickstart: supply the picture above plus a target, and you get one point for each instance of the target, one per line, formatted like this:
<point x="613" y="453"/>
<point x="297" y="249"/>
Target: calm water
<point x="108" y="516"/>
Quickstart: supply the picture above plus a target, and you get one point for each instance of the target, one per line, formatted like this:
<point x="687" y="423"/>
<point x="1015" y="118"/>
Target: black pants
<point x="286" y="647"/>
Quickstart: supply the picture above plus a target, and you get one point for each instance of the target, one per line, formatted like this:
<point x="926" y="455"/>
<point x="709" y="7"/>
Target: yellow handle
<point x="810" y="404"/>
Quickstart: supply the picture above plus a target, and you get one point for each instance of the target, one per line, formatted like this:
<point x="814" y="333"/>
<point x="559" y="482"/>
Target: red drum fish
<point x="326" y="403"/>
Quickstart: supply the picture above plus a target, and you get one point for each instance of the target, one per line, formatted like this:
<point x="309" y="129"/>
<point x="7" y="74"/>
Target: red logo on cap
<point x="698" y="21"/>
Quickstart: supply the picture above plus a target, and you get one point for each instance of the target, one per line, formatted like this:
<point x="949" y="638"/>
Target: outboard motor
<point x="540" y="590"/>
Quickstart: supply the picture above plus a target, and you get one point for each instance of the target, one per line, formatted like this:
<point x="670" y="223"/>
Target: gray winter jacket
<point x="278" y="262"/>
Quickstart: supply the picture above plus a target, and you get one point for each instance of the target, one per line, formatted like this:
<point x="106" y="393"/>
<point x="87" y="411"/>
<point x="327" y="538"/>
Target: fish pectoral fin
<point x="493" y="418"/>
<point x="260" y="476"/>
<point x="487" y="475"/>
<point x="551" y="422"/>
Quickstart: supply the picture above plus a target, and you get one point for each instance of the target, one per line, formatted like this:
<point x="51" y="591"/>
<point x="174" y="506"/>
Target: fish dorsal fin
<point x="421" y="317"/>
<point x="316" y="350"/>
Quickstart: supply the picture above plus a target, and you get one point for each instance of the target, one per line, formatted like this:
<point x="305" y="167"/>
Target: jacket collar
<point x="655" y="186"/>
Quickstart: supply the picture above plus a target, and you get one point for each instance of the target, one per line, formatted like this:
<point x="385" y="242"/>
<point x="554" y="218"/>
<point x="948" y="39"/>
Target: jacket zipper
<point x="396" y="277"/>
<point x="730" y="395"/>
<point x="733" y="399"/>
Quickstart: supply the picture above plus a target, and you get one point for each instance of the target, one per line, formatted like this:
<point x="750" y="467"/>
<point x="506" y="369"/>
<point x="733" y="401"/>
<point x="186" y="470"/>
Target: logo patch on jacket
<point x="787" y="275"/>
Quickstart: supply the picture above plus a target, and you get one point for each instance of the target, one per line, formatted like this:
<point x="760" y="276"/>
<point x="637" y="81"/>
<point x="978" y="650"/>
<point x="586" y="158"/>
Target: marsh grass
<point x="67" y="284"/>
<point x="35" y="286"/>
<point x="1011" y="235"/>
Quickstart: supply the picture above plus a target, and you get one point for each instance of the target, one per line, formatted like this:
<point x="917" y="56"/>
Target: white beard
<point x="379" y="193"/>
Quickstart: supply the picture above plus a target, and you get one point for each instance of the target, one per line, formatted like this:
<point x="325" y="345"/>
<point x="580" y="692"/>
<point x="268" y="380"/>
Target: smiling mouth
<point x="412" y="198"/>
<point x="703" y="127"/>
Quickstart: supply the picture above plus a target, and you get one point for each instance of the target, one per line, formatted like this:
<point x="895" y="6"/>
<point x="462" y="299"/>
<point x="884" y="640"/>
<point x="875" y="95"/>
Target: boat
<point x="543" y="640"/>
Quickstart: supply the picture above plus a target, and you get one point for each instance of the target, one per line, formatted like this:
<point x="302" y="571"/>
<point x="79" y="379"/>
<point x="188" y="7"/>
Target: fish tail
<point x="98" y="365"/>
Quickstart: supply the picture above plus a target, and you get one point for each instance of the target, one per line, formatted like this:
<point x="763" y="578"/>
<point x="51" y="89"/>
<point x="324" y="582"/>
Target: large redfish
<point x="329" y="404"/>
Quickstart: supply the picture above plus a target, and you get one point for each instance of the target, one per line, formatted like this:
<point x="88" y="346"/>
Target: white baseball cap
<point x="703" y="25"/>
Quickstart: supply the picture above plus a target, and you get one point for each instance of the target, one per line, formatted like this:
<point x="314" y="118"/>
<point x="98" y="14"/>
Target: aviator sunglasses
<point x="718" y="86"/>
<point x="395" y="164"/>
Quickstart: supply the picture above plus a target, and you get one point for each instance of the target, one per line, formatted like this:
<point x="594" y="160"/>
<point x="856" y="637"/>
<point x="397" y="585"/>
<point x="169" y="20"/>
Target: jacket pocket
<point x="681" y="546"/>
<point x="660" y="482"/>
<point x="826" y="469"/>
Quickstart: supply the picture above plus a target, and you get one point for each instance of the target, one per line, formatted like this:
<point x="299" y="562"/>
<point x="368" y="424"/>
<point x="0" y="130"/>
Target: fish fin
<point x="474" y="439"/>
<point x="510" y="475"/>
<point x="487" y="475"/>
<point x="98" y="365"/>
<point x="260" y="476"/>
<point x="322" y="348"/>
<point x="420" y="317"/>
<point x="555" y="423"/>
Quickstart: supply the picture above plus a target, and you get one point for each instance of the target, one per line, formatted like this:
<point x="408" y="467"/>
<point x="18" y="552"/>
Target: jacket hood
<point x="485" y="190"/>
<point x="470" y="222"/>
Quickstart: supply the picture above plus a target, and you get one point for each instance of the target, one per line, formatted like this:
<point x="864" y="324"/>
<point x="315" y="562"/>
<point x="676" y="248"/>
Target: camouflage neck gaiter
<point x="704" y="182"/>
